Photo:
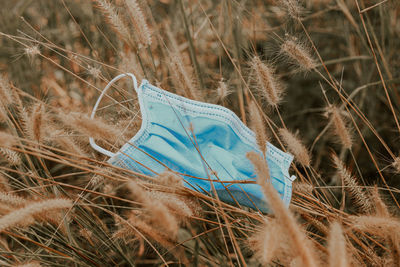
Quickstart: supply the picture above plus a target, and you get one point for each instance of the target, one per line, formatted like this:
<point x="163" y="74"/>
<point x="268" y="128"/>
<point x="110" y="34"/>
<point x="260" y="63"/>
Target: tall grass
<point x="318" y="79"/>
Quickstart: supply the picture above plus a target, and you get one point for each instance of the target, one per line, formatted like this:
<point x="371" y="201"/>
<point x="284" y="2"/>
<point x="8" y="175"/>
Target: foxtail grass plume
<point x="12" y="199"/>
<point x="298" y="53"/>
<point x="380" y="207"/>
<point x="160" y="215"/>
<point x="337" y="247"/>
<point x="296" y="147"/>
<point x="293" y="8"/>
<point x="170" y="179"/>
<point x="267" y="81"/>
<point x="267" y="241"/>
<point x="114" y="19"/>
<point x="7" y="140"/>
<point x="257" y="125"/>
<point x="182" y="77"/>
<point x="32" y="51"/>
<point x="6" y="96"/>
<point x="96" y="128"/>
<point x="339" y="127"/>
<point x="142" y="35"/>
<point x="377" y="225"/>
<point x="36" y="122"/>
<point x="4" y="185"/>
<point x="19" y="216"/>
<point x="223" y="90"/>
<point x="11" y="156"/>
<point x="300" y="243"/>
<point x="396" y="164"/>
<point x="360" y="199"/>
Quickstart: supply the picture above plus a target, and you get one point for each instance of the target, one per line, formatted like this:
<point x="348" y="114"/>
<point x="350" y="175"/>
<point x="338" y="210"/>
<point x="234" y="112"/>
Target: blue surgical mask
<point x="204" y="143"/>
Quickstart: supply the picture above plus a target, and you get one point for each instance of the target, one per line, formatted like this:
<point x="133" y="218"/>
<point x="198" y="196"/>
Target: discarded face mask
<point x="202" y="142"/>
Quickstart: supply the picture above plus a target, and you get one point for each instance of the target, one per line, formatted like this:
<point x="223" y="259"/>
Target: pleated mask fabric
<point x="204" y="143"/>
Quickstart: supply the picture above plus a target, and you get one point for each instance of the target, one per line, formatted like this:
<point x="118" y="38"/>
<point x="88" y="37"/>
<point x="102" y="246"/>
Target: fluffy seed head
<point x="361" y="201"/>
<point x="337" y="246"/>
<point x="296" y="147"/>
<point x="182" y="76"/>
<point x="159" y="214"/>
<point x="293" y="8"/>
<point x="12" y="199"/>
<point x="298" y="53"/>
<point x="114" y="19"/>
<point x="19" y="216"/>
<point x="7" y="140"/>
<point x="6" y="96"/>
<point x="11" y="156"/>
<point x="396" y="164"/>
<point x="267" y="82"/>
<point x="339" y="127"/>
<point x="222" y="90"/>
<point x="35" y="123"/>
<point x="96" y="128"/>
<point x="257" y="124"/>
<point x="94" y="72"/>
<point x="143" y="35"/>
<point x="266" y="242"/>
<point x="299" y="241"/>
<point x="380" y="206"/>
<point x="32" y="51"/>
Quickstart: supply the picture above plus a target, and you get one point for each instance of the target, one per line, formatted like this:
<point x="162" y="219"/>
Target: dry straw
<point x="296" y="147"/>
<point x="29" y="264"/>
<point x="267" y="82"/>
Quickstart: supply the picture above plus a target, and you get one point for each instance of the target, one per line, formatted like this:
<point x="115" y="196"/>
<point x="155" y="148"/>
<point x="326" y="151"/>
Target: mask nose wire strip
<point x="91" y="140"/>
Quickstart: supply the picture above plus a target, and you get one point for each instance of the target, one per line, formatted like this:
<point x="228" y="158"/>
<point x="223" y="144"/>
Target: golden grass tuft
<point x="267" y="81"/>
<point x="139" y="23"/>
<point x="340" y="128"/>
<point x="114" y="19"/>
<point x="257" y="125"/>
<point x="299" y="54"/>
<point x="21" y="216"/>
<point x="300" y="243"/>
<point x="360" y="198"/>
<point x="95" y="128"/>
<point x="296" y="147"/>
<point x="337" y="247"/>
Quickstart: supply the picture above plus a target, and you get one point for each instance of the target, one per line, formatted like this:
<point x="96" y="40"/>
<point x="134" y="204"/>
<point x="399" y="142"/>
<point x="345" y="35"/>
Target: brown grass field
<point x="317" y="78"/>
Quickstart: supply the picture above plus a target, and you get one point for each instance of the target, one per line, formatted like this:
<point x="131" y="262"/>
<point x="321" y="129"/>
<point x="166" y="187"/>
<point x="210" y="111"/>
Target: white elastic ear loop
<point x="91" y="140"/>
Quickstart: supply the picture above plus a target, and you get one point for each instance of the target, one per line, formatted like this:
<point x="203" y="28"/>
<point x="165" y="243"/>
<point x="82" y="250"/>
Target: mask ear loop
<point x="91" y="140"/>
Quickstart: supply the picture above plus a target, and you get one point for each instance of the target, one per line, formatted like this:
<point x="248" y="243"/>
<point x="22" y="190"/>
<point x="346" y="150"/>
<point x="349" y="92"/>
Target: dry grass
<point x="61" y="204"/>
